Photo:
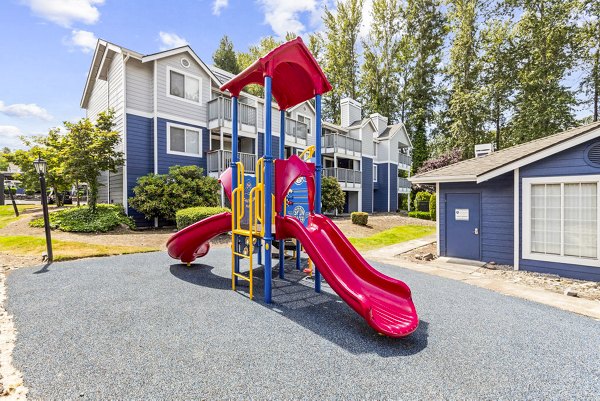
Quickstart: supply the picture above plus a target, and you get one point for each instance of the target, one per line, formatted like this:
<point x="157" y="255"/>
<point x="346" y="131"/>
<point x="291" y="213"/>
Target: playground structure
<point x="291" y="209"/>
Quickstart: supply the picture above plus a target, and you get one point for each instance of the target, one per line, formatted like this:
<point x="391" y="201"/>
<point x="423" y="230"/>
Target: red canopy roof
<point x="296" y="75"/>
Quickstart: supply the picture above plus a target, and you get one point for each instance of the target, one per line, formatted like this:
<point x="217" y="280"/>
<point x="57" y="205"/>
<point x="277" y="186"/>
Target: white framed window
<point x="183" y="140"/>
<point x="306" y="120"/>
<point x="183" y="86"/>
<point x="560" y="219"/>
<point x="374" y="172"/>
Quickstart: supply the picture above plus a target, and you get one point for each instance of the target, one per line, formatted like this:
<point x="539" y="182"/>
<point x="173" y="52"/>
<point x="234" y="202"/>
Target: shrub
<point x="11" y="189"/>
<point x="190" y="215"/>
<point x="420" y="215"/>
<point x="162" y="195"/>
<point x="29" y="192"/>
<point x="332" y="196"/>
<point x="360" y="218"/>
<point x="422" y="196"/>
<point x="432" y="207"/>
<point x="84" y="220"/>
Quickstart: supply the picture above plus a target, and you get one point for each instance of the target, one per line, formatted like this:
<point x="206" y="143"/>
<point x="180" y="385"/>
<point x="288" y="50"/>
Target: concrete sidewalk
<point x="468" y="273"/>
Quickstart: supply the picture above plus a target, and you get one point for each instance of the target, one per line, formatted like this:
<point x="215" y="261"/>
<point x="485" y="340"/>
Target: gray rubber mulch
<point x="144" y="327"/>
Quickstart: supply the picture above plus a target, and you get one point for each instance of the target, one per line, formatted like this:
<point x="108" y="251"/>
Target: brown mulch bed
<point x="377" y="222"/>
<point x="551" y="282"/>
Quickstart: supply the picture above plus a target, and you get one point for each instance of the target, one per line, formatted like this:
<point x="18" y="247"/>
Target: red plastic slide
<point x="193" y="241"/>
<point x="384" y="302"/>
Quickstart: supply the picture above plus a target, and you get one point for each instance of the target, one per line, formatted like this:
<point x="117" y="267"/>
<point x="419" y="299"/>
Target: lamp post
<point x="41" y="167"/>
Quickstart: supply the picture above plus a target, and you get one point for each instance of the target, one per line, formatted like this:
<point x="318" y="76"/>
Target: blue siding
<point x="140" y="155"/>
<point x="568" y="162"/>
<point x="166" y="160"/>
<point x="496" y="231"/>
<point x="393" y="187"/>
<point x="274" y="145"/>
<point x="381" y="194"/>
<point x="367" y="184"/>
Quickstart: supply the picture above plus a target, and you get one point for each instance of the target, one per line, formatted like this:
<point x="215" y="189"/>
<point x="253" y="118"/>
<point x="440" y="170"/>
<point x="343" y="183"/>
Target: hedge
<point x="360" y="218"/>
<point x="188" y="216"/>
<point x="83" y="220"/>
<point x="420" y="215"/>
<point x="432" y="207"/>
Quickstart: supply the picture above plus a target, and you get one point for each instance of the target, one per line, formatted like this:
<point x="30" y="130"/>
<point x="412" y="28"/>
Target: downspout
<point x="155" y="126"/>
<point x="125" y="194"/>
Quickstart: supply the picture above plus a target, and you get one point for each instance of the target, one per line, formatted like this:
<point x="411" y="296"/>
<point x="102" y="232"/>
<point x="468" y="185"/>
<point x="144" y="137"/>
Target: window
<point x="183" y="86"/>
<point x="374" y="172"/>
<point x="183" y="140"/>
<point x="305" y="120"/>
<point x="560" y="219"/>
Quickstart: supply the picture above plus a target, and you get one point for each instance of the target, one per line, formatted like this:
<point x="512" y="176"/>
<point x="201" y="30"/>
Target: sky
<point x="47" y="45"/>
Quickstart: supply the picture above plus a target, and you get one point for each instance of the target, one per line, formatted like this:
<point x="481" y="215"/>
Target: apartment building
<point x="170" y="111"/>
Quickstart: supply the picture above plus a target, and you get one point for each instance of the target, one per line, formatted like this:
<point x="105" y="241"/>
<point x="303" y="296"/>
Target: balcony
<point x="336" y="143"/>
<point x="296" y="131"/>
<point x="219" y="114"/>
<point x="404" y="161"/>
<point x="403" y="185"/>
<point x="346" y="177"/>
<point x="219" y="160"/>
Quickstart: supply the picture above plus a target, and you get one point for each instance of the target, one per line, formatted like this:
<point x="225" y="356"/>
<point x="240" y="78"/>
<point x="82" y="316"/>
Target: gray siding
<point x="496" y="231"/>
<point x="180" y="107"/>
<point x="140" y="86"/>
<point x="98" y="99"/>
<point x="566" y="163"/>
<point x="367" y="140"/>
<point x="116" y="186"/>
<point x="115" y="93"/>
<point x="367" y="185"/>
<point x="103" y="187"/>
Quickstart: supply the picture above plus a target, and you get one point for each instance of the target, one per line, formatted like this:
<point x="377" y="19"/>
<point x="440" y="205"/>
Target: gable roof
<point x="222" y="75"/>
<point x="497" y="163"/>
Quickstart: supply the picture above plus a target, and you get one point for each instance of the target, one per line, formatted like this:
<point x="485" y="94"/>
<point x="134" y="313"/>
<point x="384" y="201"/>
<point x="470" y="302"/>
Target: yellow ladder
<point x="237" y="204"/>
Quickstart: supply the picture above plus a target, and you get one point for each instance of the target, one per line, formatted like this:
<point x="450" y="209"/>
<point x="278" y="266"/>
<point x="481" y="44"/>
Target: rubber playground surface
<point x="145" y="327"/>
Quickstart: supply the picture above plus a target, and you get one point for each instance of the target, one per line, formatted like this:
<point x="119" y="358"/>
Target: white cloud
<point x="367" y="18"/>
<point x="9" y="137"/>
<point x="83" y="40"/>
<point x="171" y="40"/>
<point x="284" y="15"/>
<point x="24" y="111"/>
<point x="219" y="5"/>
<point x="66" y="12"/>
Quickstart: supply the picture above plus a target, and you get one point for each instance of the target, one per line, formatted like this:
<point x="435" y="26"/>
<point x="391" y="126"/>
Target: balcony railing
<point x="403" y="185"/>
<point x="343" y="175"/>
<point x="341" y="144"/>
<point x="220" y="109"/>
<point x="295" y="129"/>
<point x="219" y="160"/>
<point x="404" y="159"/>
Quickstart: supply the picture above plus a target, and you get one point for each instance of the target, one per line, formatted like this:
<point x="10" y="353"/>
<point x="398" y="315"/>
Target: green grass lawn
<point x="26" y="245"/>
<point x="7" y="213"/>
<point x="391" y="237"/>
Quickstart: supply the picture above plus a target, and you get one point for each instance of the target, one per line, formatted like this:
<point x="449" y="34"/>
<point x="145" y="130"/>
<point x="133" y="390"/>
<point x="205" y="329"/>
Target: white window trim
<point x="526" y="245"/>
<point x="187" y="128"/>
<point x="310" y="127"/>
<point x="183" y="99"/>
<point x="375" y="167"/>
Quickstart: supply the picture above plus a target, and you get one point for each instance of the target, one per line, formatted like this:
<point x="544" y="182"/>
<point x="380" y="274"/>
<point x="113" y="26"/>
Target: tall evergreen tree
<point x="224" y="57"/>
<point x="426" y="31"/>
<point x="341" y="54"/>
<point x="379" y="82"/>
<point x="465" y="104"/>
<point x="546" y="50"/>
<point x="591" y="55"/>
<point x="498" y="76"/>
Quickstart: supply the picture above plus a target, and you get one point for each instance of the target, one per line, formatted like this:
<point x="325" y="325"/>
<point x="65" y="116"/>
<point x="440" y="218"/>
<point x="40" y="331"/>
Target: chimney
<point x="351" y="111"/>
<point x="380" y="122"/>
<point x="484" y="149"/>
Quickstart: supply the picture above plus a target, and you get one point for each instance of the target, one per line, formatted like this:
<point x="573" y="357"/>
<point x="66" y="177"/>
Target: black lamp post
<point x="42" y="167"/>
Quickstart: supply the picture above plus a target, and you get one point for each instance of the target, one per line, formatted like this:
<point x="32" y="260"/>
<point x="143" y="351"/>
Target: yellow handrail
<point x="308" y="153"/>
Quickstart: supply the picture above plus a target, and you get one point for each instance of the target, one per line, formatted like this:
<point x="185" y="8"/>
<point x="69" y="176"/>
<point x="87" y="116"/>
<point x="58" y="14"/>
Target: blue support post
<point x="282" y="157"/>
<point x="318" y="167"/>
<point x="268" y="218"/>
<point x="297" y="255"/>
<point x="234" y="173"/>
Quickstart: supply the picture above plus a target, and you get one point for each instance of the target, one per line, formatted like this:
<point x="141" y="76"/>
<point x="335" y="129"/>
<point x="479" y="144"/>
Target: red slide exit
<point x="384" y="302"/>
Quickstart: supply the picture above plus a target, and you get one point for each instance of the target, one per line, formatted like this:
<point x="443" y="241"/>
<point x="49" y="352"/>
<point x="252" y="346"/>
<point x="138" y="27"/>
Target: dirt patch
<point x="551" y="282"/>
<point x="377" y="223"/>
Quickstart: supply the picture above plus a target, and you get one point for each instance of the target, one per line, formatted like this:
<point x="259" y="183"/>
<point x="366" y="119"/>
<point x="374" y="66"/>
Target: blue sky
<point x="47" y="45"/>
